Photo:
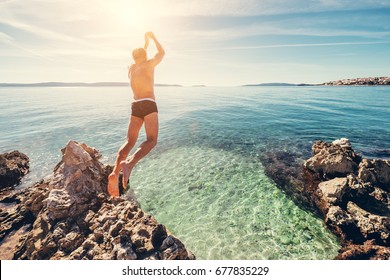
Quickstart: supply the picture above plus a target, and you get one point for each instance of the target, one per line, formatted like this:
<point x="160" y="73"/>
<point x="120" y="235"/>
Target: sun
<point x="134" y="14"/>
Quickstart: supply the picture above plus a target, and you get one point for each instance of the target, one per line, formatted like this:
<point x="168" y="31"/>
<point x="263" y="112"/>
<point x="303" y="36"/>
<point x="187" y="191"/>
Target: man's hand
<point x="150" y="35"/>
<point x="160" y="51"/>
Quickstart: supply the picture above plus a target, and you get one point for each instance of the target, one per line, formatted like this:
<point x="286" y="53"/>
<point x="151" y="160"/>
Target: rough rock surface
<point x="13" y="166"/>
<point x="353" y="196"/>
<point x="366" y="251"/>
<point x="332" y="160"/>
<point x="72" y="217"/>
<point x="375" y="171"/>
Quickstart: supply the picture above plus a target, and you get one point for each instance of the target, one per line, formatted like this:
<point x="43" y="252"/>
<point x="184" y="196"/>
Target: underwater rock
<point x="73" y="217"/>
<point x="13" y="166"/>
<point x="353" y="197"/>
<point x="285" y="169"/>
<point x="195" y="187"/>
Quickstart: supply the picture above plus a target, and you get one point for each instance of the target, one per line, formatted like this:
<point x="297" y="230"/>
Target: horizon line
<point x="120" y="84"/>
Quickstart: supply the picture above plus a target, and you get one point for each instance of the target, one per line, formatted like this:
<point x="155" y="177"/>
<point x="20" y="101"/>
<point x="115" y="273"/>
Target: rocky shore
<point x="353" y="194"/>
<point x="349" y="192"/>
<point x="69" y="215"/>
<point x="371" y="81"/>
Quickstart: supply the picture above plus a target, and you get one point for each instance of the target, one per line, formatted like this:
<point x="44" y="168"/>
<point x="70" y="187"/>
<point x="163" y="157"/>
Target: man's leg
<point x="135" y="125"/>
<point x="151" y="129"/>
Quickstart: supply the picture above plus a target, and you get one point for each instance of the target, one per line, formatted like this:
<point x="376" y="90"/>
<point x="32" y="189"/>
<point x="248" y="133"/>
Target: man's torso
<point x="142" y="80"/>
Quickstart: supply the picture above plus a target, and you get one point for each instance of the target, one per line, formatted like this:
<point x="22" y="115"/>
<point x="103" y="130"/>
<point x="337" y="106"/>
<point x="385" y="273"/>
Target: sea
<point x="205" y="180"/>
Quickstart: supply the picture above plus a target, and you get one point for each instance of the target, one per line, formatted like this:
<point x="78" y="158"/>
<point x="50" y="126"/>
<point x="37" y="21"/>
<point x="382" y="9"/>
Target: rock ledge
<point x="73" y="217"/>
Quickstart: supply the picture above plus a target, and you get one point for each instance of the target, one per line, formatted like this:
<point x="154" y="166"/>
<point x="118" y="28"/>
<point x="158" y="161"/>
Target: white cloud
<point x="273" y="46"/>
<point x="256" y="7"/>
<point x="5" y="38"/>
<point x="122" y="18"/>
<point x="278" y="29"/>
<point x="68" y="10"/>
<point x="41" y="32"/>
<point x="76" y="33"/>
<point x="306" y="45"/>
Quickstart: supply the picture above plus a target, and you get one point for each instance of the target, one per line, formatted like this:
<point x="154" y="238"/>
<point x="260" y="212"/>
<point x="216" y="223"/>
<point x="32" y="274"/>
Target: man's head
<point x="139" y="55"/>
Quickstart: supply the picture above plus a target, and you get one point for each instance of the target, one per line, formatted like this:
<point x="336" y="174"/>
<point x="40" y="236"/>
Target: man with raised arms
<point x="143" y="112"/>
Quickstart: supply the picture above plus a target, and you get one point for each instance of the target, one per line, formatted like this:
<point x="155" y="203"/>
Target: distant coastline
<point x="78" y="84"/>
<point x="279" y="85"/>
<point x="370" y="81"/>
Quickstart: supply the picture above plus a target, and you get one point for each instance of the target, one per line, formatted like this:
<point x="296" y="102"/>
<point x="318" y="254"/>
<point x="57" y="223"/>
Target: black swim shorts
<point x="143" y="108"/>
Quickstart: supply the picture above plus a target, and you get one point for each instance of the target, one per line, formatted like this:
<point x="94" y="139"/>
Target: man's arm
<point x="160" y="51"/>
<point x="146" y="41"/>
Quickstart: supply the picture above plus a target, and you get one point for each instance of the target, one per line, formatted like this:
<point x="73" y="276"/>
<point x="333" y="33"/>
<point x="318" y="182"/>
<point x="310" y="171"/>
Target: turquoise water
<point x="204" y="180"/>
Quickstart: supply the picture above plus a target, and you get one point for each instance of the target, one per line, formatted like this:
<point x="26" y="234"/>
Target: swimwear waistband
<point x="143" y="99"/>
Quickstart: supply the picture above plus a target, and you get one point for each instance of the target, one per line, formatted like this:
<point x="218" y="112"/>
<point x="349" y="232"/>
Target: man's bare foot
<point x="113" y="188"/>
<point x="126" y="167"/>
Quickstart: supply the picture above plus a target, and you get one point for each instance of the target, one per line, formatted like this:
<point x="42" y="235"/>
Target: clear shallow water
<point x="222" y="206"/>
<point x="204" y="180"/>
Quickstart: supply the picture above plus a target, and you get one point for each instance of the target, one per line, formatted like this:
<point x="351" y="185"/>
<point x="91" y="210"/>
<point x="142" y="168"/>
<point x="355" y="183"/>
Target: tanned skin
<point x="141" y="76"/>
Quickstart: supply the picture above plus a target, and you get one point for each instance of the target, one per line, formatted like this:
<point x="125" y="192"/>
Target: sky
<point x="207" y="42"/>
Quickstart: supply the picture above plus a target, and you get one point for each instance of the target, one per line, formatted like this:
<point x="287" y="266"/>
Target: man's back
<point x="141" y="77"/>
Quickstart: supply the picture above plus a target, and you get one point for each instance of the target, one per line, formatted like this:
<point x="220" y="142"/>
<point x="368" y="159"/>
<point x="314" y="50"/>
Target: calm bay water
<point x="204" y="180"/>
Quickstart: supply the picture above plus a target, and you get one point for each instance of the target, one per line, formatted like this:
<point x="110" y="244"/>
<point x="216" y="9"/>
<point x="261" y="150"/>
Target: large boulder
<point x="71" y="216"/>
<point x="333" y="190"/>
<point x="13" y="166"/>
<point x="332" y="160"/>
<point x="76" y="183"/>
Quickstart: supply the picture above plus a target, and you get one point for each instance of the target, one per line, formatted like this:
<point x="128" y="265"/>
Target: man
<point x="143" y="112"/>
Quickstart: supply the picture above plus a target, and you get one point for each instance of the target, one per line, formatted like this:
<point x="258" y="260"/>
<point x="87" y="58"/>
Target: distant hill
<point x="167" y="85"/>
<point x="276" y="85"/>
<point x="270" y="84"/>
<point x="60" y="84"/>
